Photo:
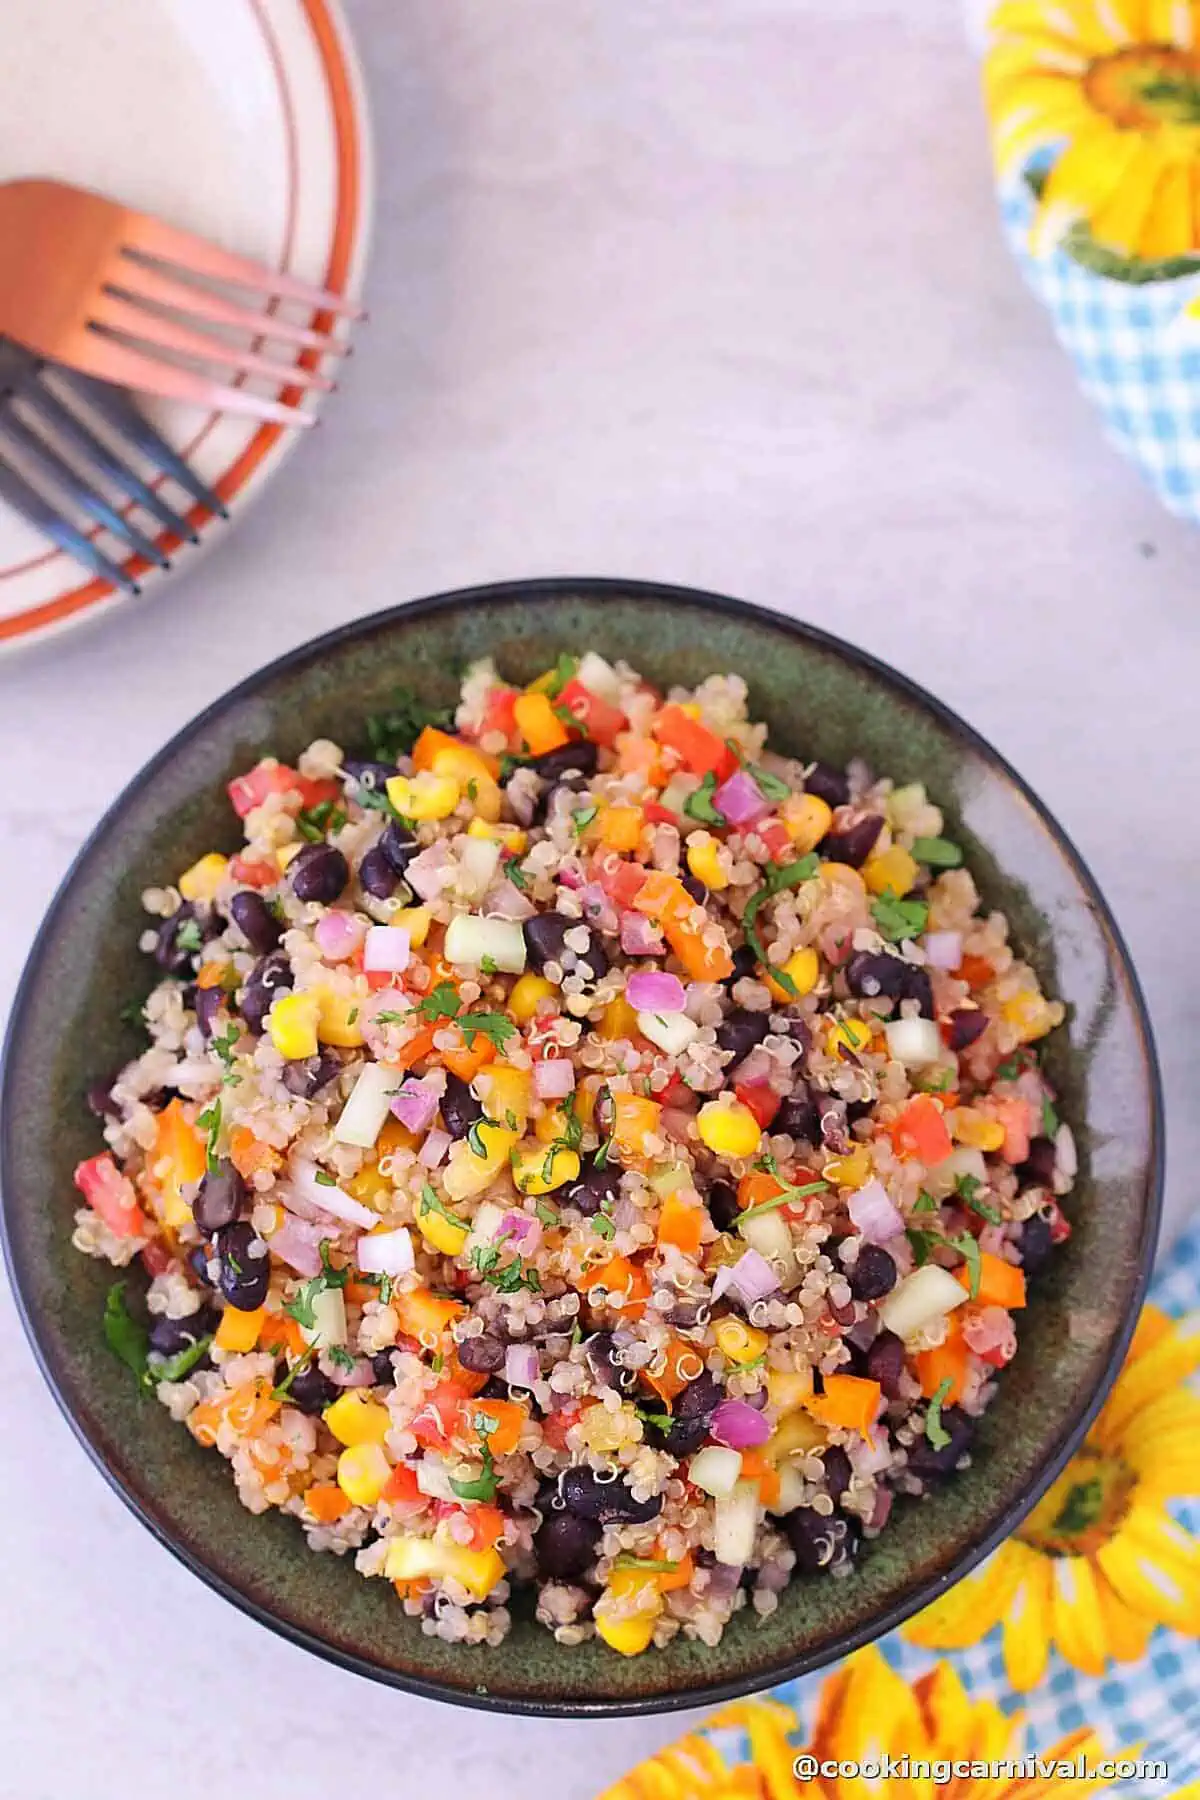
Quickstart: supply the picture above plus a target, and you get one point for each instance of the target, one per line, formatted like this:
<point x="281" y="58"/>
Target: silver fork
<point x="52" y="458"/>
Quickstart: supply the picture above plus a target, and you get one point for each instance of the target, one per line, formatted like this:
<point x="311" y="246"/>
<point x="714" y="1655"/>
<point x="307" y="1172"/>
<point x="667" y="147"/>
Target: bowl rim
<point x="548" y="591"/>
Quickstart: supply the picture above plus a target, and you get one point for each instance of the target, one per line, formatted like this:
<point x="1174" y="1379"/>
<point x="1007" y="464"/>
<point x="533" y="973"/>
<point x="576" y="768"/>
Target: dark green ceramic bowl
<point x="821" y="698"/>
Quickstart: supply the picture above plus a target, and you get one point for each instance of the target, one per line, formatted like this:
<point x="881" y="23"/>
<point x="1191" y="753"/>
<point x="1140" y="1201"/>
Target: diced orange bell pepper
<point x="921" y="1131"/>
<point x="488" y="1525"/>
<point x="281" y="1332"/>
<point x="849" y="1401"/>
<point x="431" y="741"/>
<point x="239" y="1331"/>
<point x="466" y="1062"/>
<point x="469" y="1380"/>
<point x="213" y="975"/>
<point x="624" y="1282"/>
<point x="1000" y="1283"/>
<point x="635" y="1117"/>
<point x="418" y="1046"/>
<point x="640" y="756"/>
<point x="401" y="1484"/>
<point x="619" y="827"/>
<point x="663" y="897"/>
<point x="681" y="1223"/>
<point x="618" y="1020"/>
<point x="178" y="1161"/>
<point x="326" y="1502"/>
<point x="976" y="971"/>
<point x="425" y="1315"/>
<point x="508" y="1418"/>
<point x="683" y="1365"/>
<point x="948" y="1362"/>
<point x="698" y="748"/>
<point x="757" y="1187"/>
<point x="249" y="1155"/>
<point x="703" y="961"/>
<point x="755" y="1467"/>
<point x="679" y="1577"/>
<point x="539" y="724"/>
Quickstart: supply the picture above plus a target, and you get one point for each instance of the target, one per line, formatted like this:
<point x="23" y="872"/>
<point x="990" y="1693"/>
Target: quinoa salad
<point x="584" y="1160"/>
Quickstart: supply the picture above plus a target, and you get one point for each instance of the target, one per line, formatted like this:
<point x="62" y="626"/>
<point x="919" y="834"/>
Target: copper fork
<point x="127" y="298"/>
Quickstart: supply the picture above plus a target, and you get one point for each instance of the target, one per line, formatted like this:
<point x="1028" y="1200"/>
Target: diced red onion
<point x="519" y="1228"/>
<point x="836" y="943"/>
<point x="298" y="1244"/>
<point x="990" y="1332"/>
<point x="640" y="936"/>
<point x="943" y="949"/>
<point x="598" y="909"/>
<point x="882" y="1510"/>
<point x="755" y="1068"/>
<point x="386" y="950"/>
<point x="870" y="1454"/>
<point x="677" y="1124"/>
<point x="385" y="1252"/>
<point x="553" y="1078"/>
<point x="754" y="1279"/>
<point x="625" y="1213"/>
<point x="654" y="991"/>
<point x="872" y="1213"/>
<point x="433" y="1150"/>
<point x="361" y="1375"/>
<point x="723" y="1580"/>
<point x="415" y="1104"/>
<point x="569" y="877"/>
<point x="521" y="1366"/>
<point x="428" y="873"/>
<point x="338" y="935"/>
<point x="722" y="1282"/>
<point x="741" y="800"/>
<point x="504" y="900"/>
<point x="738" y="1426"/>
<point x="329" y="1199"/>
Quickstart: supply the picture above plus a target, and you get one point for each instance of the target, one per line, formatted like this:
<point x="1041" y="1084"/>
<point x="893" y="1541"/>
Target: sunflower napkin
<point x="1094" y="107"/>
<point x="1076" y="1644"/>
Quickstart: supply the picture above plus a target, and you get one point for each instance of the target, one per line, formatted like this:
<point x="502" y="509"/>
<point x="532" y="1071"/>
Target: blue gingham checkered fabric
<point x="1136" y="355"/>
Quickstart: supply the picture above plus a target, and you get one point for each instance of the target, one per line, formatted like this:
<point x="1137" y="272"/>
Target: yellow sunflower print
<point x="1112" y="87"/>
<point x="1099" y="1563"/>
<point x="865" y="1711"/>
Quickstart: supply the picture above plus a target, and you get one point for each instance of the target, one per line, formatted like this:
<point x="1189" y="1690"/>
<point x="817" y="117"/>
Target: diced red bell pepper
<point x="401" y="1484"/>
<point x="698" y="748"/>
<point x="112" y="1196"/>
<point x="253" y="874"/>
<point x="597" y="718"/>
<point x="677" y="1093"/>
<point x="317" y="793"/>
<point x="762" y="1100"/>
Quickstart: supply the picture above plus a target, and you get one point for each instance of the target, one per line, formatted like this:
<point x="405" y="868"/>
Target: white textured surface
<point x="703" y="291"/>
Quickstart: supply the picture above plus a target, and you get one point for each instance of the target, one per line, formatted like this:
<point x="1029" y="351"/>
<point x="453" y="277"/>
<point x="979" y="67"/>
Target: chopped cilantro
<point x="323" y="1178"/>
<point x="546" y="1214"/>
<point x="352" y="1015"/>
<point x="926" y="1202"/>
<point x="188" y="936"/>
<point x="484" y="1486"/>
<point x="899" y="919"/>
<point x="393" y="733"/>
<point x="600" y="1160"/>
<point x="472" y="790"/>
<point x="602" y="1225"/>
<point x="174" y="1368"/>
<point x="778" y="877"/>
<point x="298" y="1367"/>
<point x="438" y="1363"/>
<point x="576" y="1333"/>
<point x="442" y="1003"/>
<point x="302" y="1308"/>
<point x="431" y="1203"/>
<point x="508" y="1278"/>
<point x="475" y="1142"/>
<point x="511" y="1120"/>
<point x="784" y="1199"/>
<point x="126" y="1336"/>
<point x="338" y="1354"/>
<point x="967" y="1187"/>
<point x="583" y="818"/>
<point x="375" y="800"/>
<point x="487" y="965"/>
<point x="937" y="852"/>
<point x="484" y="1258"/>
<point x="924" y="1243"/>
<point x="935" y="1431"/>
<point x="517" y="876"/>
<point x="1010" y="1069"/>
<point x="1049" y="1119"/>
<point x="334" y="1278"/>
<point x="390" y="1018"/>
<point x="700" y="804"/>
<point x="649" y="1563"/>
<point x="491" y="1025"/>
<point x="771" y="787"/>
<point x="563" y="671"/>
<point x="318" y="822"/>
<point x="209" y="1121"/>
<point x="968" y="1246"/>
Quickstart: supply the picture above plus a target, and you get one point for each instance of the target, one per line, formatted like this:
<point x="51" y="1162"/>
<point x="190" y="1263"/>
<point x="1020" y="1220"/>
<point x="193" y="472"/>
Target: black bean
<point x="169" y="1336"/>
<point x="684" y="1437"/>
<point x="873" y="1275"/>
<point x="1035" y="1244"/>
<point x="245" y="1266"/>
<point x="221" y="1196"/>
<point x="363" y="773"/>
<point x="306" y="1076"/>
<point x="920" y="988"/>
<point x="723" y="1208"/>
<point x="565" y="1546"/>
<point x="98" y="1097"/>
<point x="208" y="1004"/>
<point x="607" y="1369"/>
<point x="837" y="1471"/>
<point x="799" y="1116"/>
<point x="874" y="975"/>
<point x="312" y="1391"/>
<point x="928" y="1463"/>
<point x="740" y="1030"/>
<point x="319" y="873"/>
<point x="376" y="875"/>
<point x="580" y="758"/>
<point x="494" y="1388"/>
<point x="694" y="886"/>
<point x="1038" y="1168"/>
<point x="460" y="1108"/>
<point x="169" y="953"/>
<point x="700" y="1398"/>
<point x="569" y="785"/>
<point x="745" y="966"/>
<point x="483" y="1355"/>
<point x="821" y="1542"/>
<point x="885" y="1362"/>
<point x="268" y="979"/>
<point x="828" y="784"/>
<point x="853" y="843"/>
<point x="608" y="1501"/>
<point x="545" y="936"/>
<point x="197" y="1262"/>
<point x="381" y="1368"/>
<point x="595" y="1188"/>
<point x="399" y="845"/>
<point x="255" y="920"/>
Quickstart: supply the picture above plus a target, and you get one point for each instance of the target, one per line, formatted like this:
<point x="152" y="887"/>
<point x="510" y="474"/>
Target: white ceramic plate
<point x="241" y="119"/>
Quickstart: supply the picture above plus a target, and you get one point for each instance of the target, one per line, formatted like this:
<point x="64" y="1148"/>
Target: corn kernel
<point x="975" y="1129"/>
<point x="691" y="708"/>
<point x="422" y="1559"/>
<point x="424" y="796"/>
<point x="623" y="1582"/>
<point x="511" y="836"/>
<point x="416" y="920"/>
<point x="802" y="969"/>
<point x="788" y="1388"/>
<point x="894" y="869"/>
<point x="202" y="880"/>
<point x="842" y="875"/>
<point x="339" y="1018"/>
<point x="629" y="1637"/>
<point x="704" y="861"/>
<point x="445" y="1235"/>
<point x="618" y="1020"/>
<point x="238" y="1331"/>
<point x="798" y="1431"/>
<point x="729" y="1128"/>
<point x="539" y="1171"/>
<point x="618" y="828"/>
<point x="354" y="1418"/>
<point x="362" y="1473"/>
<point x="292" y="1025"/>
<point x="806" y="819"/>
<point x="853" y="1034"/>
<point x="738" y="1342"/>
<point x="507" y="1093"/>
<point x="851" y="1171"/>
<point x="287" y="853"/>
<point x="1031" y="1016"/>
<point x="527" y="994"/>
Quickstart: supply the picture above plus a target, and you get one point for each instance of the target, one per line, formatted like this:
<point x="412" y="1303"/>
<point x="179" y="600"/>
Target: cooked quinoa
<point x="579" y="1148"/>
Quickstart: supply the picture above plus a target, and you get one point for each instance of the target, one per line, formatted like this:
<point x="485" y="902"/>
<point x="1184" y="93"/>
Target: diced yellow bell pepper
<point x="853" y="1034"/>
<point x="202" y="880"/>
<point x="798" y="1431"/>
<point x="287" y="853"/>
<point x="354" y="1418"/>
<point x="362" y="1473"/>
<point x="292" y="1025"/>
<point x="738" y="1342"/>
<point x="511" y="836"/>
<point x="424" y="796"/>
<point x="729" y="1128"/>
<point x="630" y="1636"/>
<point x="975" y="1129"/>
<point x="1031" y="1016"/>
<point x="467" y="1174"/>
<point x="788" y="1388"/>
<point x="802" y="969"/>
<point x="850" y="1171"/>
<point x="618" y="1020"/>
<point x="617" y="828"/>
<point x="339" y="1019"/>
<point x="239" y="1331"/>
<point x="540" y="1171"/>
<point x="806" y="819"/>
<point x="704" y="861"/>
<point x="424" y="1559"/>
<point x="445" y="1235"/>
<point x="416" y="920"/>
<point x="894" y="869"/>
<point x="507" y="1094"/>
<point x="528" y="992"/>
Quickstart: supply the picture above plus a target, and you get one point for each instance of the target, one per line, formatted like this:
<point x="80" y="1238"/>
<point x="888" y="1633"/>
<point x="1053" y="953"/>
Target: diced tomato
<point x="250" y="790"/>
<point x="111" y="1195"/>
<point x="659" y="815"/>
<point x="976" y="971"/>
<point x="676" y="1093"/>
<point x="401" y="1484"/>
<point x="253" y="874"/>
<point x="317" y="793"/>
<point x="439" y="1417"/>
<point x="498" y="712"/>
<point x="774" y="834"/>
<point x="156" y="1258"/>
<point x="1060" y="1225"/>
<point x="598" y="718"/>
<point x="698" y="748"/>
<point x="921" y="1131"/>
<point x="762" y="1100"/>
<point x="558" y="1423"/>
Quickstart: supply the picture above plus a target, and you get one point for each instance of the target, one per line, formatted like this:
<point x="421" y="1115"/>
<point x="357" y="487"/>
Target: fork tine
<point x="167" y="243"/>
<point x="114" y="311"/>
<point x="144" y="281"/>
<point x="41" y="515"/>
<point x="38" y="396"/>
<point x="127" y="366"/>
<point x="122" y="416"/>
<point x="79" y="490"/>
